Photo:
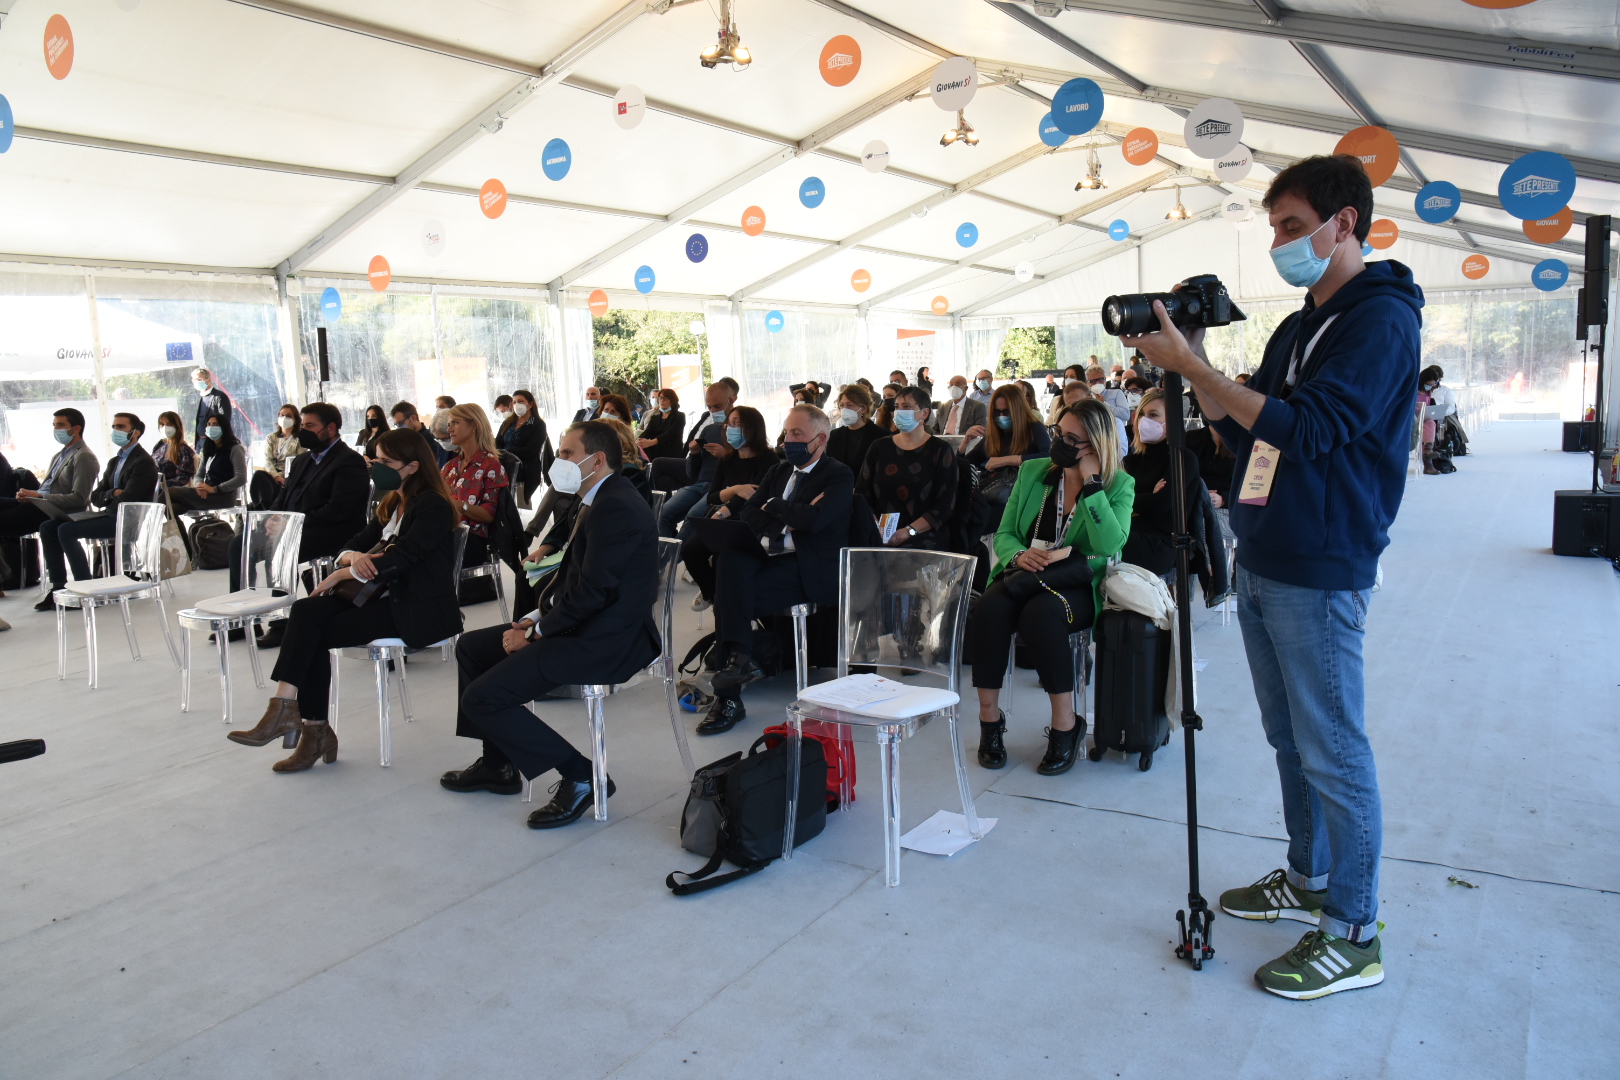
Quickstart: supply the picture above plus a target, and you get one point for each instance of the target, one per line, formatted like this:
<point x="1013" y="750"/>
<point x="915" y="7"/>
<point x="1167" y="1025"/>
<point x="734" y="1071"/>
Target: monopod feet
<point x="1195" y="934"/>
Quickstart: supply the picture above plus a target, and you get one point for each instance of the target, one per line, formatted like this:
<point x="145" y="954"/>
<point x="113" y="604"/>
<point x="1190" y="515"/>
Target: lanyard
<point x="1293" y="366"/>
<point x="1063" y="519"/>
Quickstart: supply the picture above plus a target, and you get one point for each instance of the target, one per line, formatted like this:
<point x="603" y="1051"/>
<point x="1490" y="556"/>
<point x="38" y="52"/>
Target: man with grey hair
<point x="1108" y="395"/>
<point x="213" y="402"/>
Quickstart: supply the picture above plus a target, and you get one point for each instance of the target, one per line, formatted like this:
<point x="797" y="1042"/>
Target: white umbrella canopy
<point x="49" y="337"/>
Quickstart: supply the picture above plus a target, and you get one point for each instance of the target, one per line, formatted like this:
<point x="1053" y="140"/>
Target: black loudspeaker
<point x="1595" y="309"/>
<point x="1580" y="314"/>
<point x="320" y="348"/>
<point x="1586" y="523"/>
<point x="1580" y="436"/>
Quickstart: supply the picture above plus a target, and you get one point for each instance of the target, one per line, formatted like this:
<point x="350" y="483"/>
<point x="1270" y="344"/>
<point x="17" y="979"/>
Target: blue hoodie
<point x="1345" y="432"/>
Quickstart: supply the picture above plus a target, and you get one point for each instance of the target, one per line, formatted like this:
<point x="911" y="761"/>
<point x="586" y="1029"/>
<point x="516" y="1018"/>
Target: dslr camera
<point x="1198" y="301"/>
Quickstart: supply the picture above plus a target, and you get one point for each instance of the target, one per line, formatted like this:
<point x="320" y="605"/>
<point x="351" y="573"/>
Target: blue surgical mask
<point x="734" y="436"/>
<point x="905" y="419"/>
<point x="120" y="438"/>
<point x="1004" y="422"/>
<point x="717" y="417"/>
<point x="982" y="384"/>
<point x="1298" y="263"/>
<point x="63" y="437"/>
<point x="214" y="431"/>
<point x="663" y="408"/>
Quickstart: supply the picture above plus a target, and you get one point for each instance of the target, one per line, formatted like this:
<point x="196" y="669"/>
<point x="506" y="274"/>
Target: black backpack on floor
<point x="210" y="543"/>
<point x="706" y="653"/>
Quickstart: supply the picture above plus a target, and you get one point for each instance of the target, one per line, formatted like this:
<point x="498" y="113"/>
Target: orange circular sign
<point x="1377" y="149"/>
<point x="860" y="281"/>
<point x="379" y="274"/>
<point x="753" y="221"/>
<point x="1476" y="267"/>
<point x="598" y="302"/>
<point x="1550" y="230"/>
<point x="1141" y="146"/>
<point x="940" y="305"/>
<point x="1383" y="234"/>
<point x="58" y="47"/>
<point x="492" y="198"/>
<point x="841" y="60"/>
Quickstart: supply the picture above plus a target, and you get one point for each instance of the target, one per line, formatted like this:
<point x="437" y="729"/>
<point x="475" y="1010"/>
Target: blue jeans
<point x="678" y="505"/>
<point x="1304" y="649"/>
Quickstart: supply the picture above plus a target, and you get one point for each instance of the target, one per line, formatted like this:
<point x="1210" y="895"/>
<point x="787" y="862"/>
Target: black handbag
<point x="1070" y="573"/>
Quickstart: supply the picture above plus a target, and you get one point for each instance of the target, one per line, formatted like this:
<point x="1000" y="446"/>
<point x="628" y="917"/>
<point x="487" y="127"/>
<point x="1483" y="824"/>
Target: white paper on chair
<point x="944" y="834"/>
<point x="873" y="695"/>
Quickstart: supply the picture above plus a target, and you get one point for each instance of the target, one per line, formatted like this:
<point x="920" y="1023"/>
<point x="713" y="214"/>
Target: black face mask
<point x="1064" y="454"/>
<point x="311" y="441"/>
<point x="374" y="422"/>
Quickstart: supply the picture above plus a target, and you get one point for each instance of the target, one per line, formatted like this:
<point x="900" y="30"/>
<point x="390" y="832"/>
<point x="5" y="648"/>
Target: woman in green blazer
<point x="1066" y="517"/>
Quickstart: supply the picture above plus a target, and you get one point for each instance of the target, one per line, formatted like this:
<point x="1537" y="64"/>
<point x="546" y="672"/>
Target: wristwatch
<point x="911" y="531"/>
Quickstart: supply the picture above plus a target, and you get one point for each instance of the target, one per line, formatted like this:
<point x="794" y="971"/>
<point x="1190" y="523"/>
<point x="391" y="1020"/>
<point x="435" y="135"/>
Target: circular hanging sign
<point x="1550" y="230"/>
<point x="1475" y="267"/>
<point x="492" y="198"/>
<point x="556" y="159"/>
<point x="597" y="302"/>
<point x="1383" y="234"/>
<point x="1244" y="224"/>
<point x="1438" y="202"/>
<point x="1537" y="185"/>
<point x="7" y="124"/>
<point x="1140" y="146"/>
<point x="1213" y="128"/>
<point x="697" y="328"/>
<point x="1050" y="133"/>
<point x="1024" y="271"/>
<point x="645" y="279"/>
<point x="954" y="83"/>
<point x="331" y="306"/>
<point x="433" y="238"/>
<point x="1236" y="208"/>
<point x="58" y="47"/>
<point x="1234" y="167"/>
<point x="860" y="280"/>
<point x="840" y="60"/>
<point x="1119" y="229"/>
<point x="753" y="221"/>
<point x="1375" y="148"/>
<point x="774" y="321"/>
<point x="967" y="234"/>
<point x="379" y="274"/>
<point x="1550" y="275"/>
<point x="812" y="191"/>
<point x="875" y="156"/>
<point x="940" y="305"/>
<point x="697" y="247"/>
<point x="1366" y="249"/>
<point x="629" y="106"/>
<point x="1077" y="107"/>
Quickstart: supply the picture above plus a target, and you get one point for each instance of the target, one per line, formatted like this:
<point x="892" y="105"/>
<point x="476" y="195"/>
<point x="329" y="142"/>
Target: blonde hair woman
<point x="475" y="477"/>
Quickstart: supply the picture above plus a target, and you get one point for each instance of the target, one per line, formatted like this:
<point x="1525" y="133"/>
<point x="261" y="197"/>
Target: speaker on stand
<point x="326" y="368"/>
<point x="1587" y="522"/>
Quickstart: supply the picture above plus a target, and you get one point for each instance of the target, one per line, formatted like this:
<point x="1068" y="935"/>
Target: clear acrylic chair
<point x="800" y="614"/>
<point x="664" y="667"/>
<point x="1080" y="647"/>
<point x="137" y="561"/>
<point x="904" y="609"/>
<point x="390" y="653"/>
<point x="270" y="540"/>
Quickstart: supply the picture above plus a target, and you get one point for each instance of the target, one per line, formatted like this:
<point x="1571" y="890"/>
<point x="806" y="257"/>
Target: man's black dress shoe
<point x="482" y="777"/>
<point x="723" y="715"/>
<point x="238" y="634"/>
<point x="740" y="670"/>
<point x="49" y="603"/>
<point x="271" y="638"/>
<point x="569" y="801"/>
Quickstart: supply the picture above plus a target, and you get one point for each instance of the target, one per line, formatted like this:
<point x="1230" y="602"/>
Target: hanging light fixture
<point x="1177" y="212"/>
<point x="728" y="47"/>
<point x="963" y="132"/>
<point x="1093" y="180"/>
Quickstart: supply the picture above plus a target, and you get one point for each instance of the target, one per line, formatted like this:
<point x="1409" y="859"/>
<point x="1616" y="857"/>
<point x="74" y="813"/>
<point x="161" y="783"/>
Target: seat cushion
<point x="107" y="587"/>
<point x="244" y="602"/>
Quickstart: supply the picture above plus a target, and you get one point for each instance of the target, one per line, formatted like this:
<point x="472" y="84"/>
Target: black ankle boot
<point x="1062" y="749"/>
<point x="992" y="752"/>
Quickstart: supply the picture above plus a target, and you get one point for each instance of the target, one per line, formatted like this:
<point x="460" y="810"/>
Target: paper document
<point x="887" y="523"/>
<point x="944" y="834"/>
<point x="873" y="695"/>
<point x="538" y="570"/>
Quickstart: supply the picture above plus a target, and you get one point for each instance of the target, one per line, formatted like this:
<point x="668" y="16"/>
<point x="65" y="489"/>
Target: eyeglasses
<point x="1059" y="435"/>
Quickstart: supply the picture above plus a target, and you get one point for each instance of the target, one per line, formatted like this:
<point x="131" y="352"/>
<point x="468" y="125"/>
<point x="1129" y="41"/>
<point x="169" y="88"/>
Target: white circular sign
<point x="1214" y="128"/>
<point x="1236" y="208"/>
<point x="1235" y="167"/>
<point x="697" y="327"/>
<point x="629" y="106"/>
<point x="954" y="83"/>
<point x="433" y="237"/>
<point x="875" y="157"/>
<point x="1024" y="271"/>
<point x="1244" y="224"/>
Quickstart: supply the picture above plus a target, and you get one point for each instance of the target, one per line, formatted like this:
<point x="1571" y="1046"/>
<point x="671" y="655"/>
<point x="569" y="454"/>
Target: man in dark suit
<point x="594" y="625"/>
<point x="959" y="412"/>
<point x="130" y="476"/>
<point x="688" y="478"/>
<point x="212" y="401"/>
<point x="593" y="401"/>
<point x="799" y="517"/>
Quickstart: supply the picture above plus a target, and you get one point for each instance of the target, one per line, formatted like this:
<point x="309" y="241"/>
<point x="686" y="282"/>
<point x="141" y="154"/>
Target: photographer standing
<point x="1320" y="434"/>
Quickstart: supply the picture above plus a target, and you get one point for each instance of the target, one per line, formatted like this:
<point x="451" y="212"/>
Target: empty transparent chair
<point x="491" y="568"/>
<point x="137" y="562"/>
<point x="902" y="609"/>
<point x="270" y="540"/>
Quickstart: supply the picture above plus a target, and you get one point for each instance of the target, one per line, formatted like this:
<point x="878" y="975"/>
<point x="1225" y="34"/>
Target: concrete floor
<point x="170" y="908"/>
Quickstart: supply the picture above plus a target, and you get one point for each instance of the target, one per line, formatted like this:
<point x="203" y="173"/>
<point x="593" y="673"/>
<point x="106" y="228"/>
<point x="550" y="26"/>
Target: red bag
<point x="838" y="745"/>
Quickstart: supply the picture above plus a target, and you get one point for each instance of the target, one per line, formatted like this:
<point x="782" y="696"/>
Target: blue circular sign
<point x="1538" y="185"/>
<point x="1438" y="202"/>
<point x="967" y="234"/>
<point x="1366" y="250"/>
<point x="1550" y="275"/>
<point x="1051" y="134"/>
<point x="331" y="306"/>
<point x="812" y="191"/>
<point x="697" y="247"/>
<point x="1119" y="229"/>
<point x="645" y="279"/>
<point x="1077" y="107"/>
<point x="6" y="125"/>
<point x="774" y="321"/>
<point x="556" y="160"/>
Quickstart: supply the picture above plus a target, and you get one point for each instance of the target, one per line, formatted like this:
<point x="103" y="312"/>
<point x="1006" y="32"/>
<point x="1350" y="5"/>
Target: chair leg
<point x="91" y="657"/>
<point x="385" y="735"/>
<point x="168" y="634"/>
<point x="185" y="669"/>
<point x="889" y="778"/>
<point x="500" y="595"/>
<point x="790" y="819"/>
<point x="129" y="629"/>
<point x="222" y="638"/>
<point x="333" y="656"/>
<point x="404" y="691"/>
<point x="1007" y="680"/>
<point x="673" y="701"/>
<point x="594" y="717"/>
<point x="528" y="785"/>
<point x="61" y="643"/>
<point x="969" y="811"/>
<point x="801" y="654"/>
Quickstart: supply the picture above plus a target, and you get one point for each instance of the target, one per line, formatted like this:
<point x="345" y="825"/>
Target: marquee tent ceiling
<point x="312" y="136"/>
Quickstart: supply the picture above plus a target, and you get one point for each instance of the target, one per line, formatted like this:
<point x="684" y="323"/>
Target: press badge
<point x="1262" y="471"/>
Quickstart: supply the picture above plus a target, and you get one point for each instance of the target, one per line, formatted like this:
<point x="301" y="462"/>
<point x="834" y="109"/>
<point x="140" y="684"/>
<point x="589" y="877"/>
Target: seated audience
<point x="982" y="384"/>
<point x="661" y="432"/>
<point x="130" y="476"/>
<point x="1151" y="543"/>
<point x="593" y="401"/>
<point x="176" y="461"/>
<point x="474" y="478"/>
<point x="616" y="407"/>
<point x="67" y="484"/>
<point x="405" y="417"/>
<point x="1074" y="390"/>
<point x="221" y="472"/>
<point x="282" y="445"/>
<point x="1114" y="398"/>
<point x="634" y="468"/>
<point x="687" y="481"/>
<point x="856" y="430"/>
<point x="1215" y="463"/>
<point x="1000" y="448"/>
<point x="376" y="423"/>
<point x="959" y="414"/>
<point x="735" y="480"/>
<point x="911" y="475"/>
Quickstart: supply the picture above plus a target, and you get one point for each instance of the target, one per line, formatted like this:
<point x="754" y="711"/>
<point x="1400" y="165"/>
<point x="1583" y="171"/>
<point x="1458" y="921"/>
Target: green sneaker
<point x="1272" y="898"/>
<point x="1321" y="965"/>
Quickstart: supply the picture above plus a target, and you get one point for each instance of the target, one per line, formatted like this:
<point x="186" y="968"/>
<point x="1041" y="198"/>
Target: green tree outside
<point x="629" y="343"/>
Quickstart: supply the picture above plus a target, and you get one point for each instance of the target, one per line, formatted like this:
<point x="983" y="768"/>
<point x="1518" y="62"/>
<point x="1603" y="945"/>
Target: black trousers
<point x="319" y="623"/>
<point x="668" y="473"/>
<point x="186" y="499"/>
<point x="1045" y="628"/>
<point x="60" y="539"/>
<point x="743" y="583"/>
<point x="495" y="690"/>
<point x="18" y="518"/>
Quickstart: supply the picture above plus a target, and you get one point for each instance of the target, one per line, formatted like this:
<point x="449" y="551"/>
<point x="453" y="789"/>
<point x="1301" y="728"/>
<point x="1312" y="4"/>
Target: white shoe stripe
<point x="1326" y="972"/>
<point x="1289" y="893"/>
<point x="1335" y="961"/>
<point x="1335" y="954"/>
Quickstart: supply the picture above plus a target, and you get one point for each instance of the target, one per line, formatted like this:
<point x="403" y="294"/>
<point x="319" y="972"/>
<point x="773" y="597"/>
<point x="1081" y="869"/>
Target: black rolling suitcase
<point x="1133" y="666"/>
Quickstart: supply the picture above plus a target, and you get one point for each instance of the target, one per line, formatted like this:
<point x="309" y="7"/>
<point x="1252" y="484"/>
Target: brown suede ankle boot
<point x="280" y="721"/>
<point x="316" y="741"/>
<point x="1428" y="460"/>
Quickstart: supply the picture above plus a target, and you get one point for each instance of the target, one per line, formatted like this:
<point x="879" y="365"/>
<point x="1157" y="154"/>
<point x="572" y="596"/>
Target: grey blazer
<point x="70" y="491"/>
<point x="973" y="414"/>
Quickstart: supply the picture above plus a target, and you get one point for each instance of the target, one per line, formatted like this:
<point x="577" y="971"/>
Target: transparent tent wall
<point x="810" y="345"/>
